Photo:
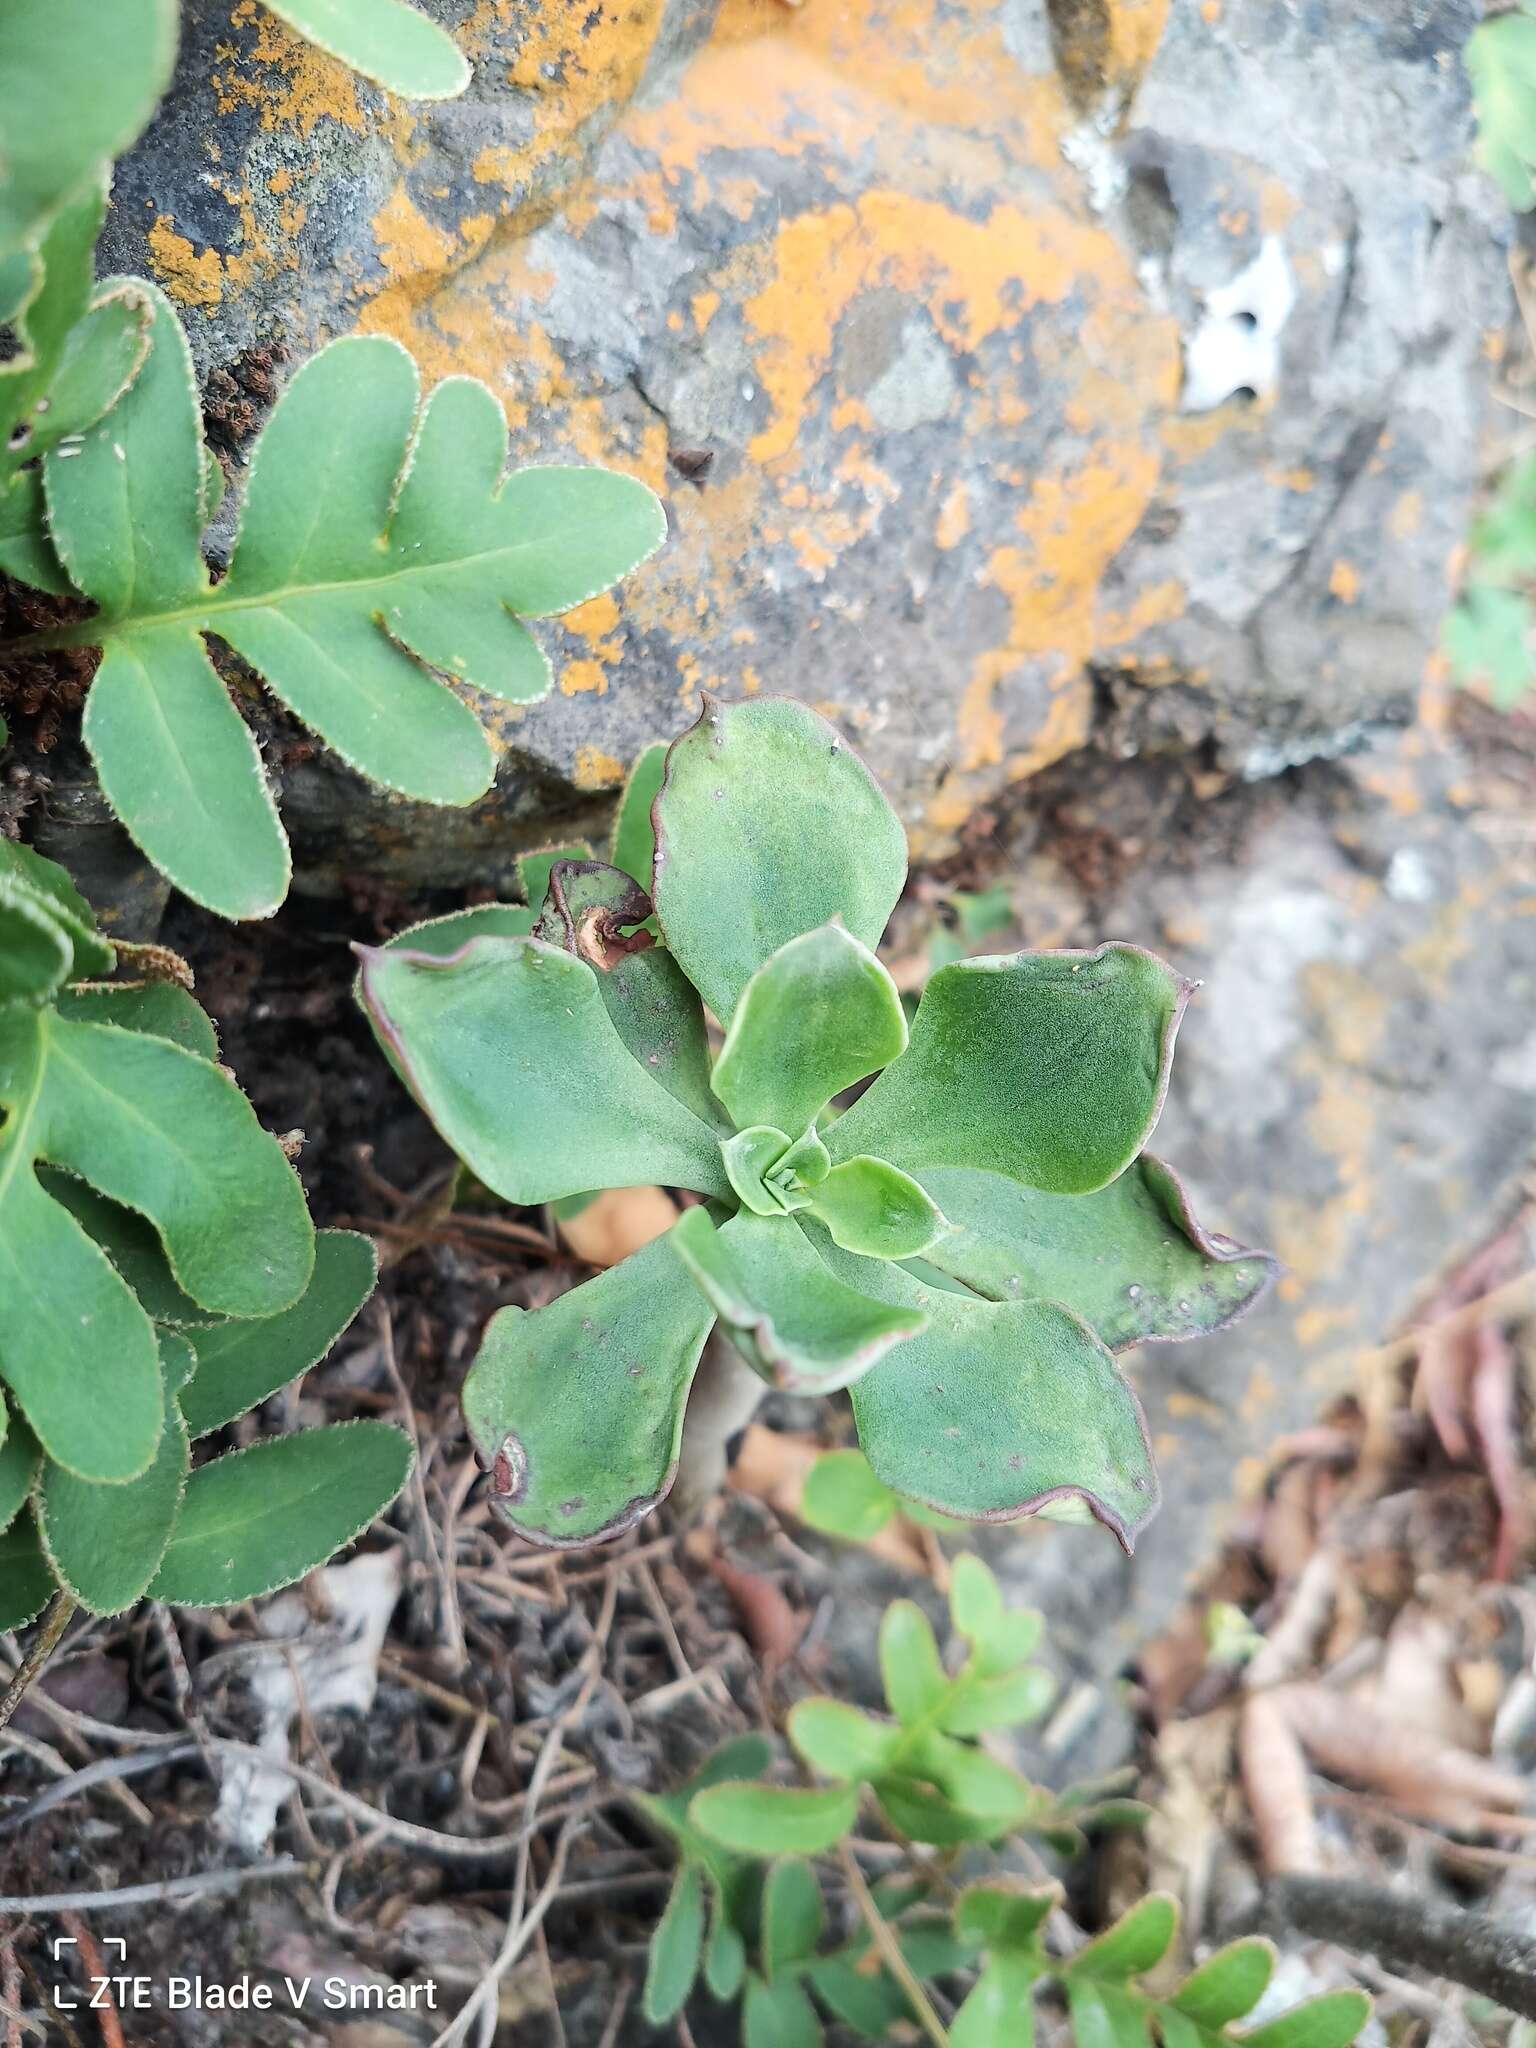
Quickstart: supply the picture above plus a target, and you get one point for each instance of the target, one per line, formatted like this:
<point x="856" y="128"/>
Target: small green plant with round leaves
<point x="160" y="1276"/>
<point x="965" y="1248"/>
<point x="747" y="1916"/>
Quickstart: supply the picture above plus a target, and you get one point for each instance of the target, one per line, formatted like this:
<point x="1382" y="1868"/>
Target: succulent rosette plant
<point x="965" y="1248"/>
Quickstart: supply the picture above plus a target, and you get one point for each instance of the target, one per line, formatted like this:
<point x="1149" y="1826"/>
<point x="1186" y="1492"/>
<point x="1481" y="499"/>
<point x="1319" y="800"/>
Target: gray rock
<point x="1002" y="395"/>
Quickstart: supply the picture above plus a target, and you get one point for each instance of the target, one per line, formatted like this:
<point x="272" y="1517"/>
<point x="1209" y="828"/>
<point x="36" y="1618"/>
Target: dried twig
<point x="1411" y="1933"/>
<point x="890" y="1949"/>
<point x="39" y="1650"/>
<point x="196" y="1886"/>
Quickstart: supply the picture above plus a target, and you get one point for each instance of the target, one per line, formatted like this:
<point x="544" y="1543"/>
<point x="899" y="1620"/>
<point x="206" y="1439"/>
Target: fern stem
<point x="890" y="1948"/>
<point x="41" y="1648"/>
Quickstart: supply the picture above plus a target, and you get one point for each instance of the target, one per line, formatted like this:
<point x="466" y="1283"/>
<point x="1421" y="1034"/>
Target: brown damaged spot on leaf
<point x="591" y="912"/>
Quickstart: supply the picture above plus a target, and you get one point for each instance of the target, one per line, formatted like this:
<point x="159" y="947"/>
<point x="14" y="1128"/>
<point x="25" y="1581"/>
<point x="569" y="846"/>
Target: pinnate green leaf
<point x="170" y="1136"/>
<point x="1501" y="61"/>
<point x="911" y="1668"/>
<point x="1331" y="2021"/>
<point x="790" y="1319"/>
<point x="840" y="1741"/>
<point x="1009" y="1700"/>
<point x="577" y="1408"/>
<point x="999" y="2010"/>
<point x="779" y="2015"/>
<point x="843" y="1497"/>
<point x="725" y="1953"/>
<point x="20" y="1458"/>
<point x="1050" y="1068"/>
<point x="106" y="1542"/>
<point x="509" y="1048"/>
<point x="1136" y="1943"/>
<point x="775" y="1820"/>
<point x="1228" y="1984"/>
<point x="793" y="1915"/>
<point x="424" y="555"/>
<point x="818" y="1015"/>
<point x="395" y="45"/>
<point x="1131" y="1259"/>
<point x="768" y="826"/>
<point x="158" y="1008"/>
<point x="258" y="1519"/>
<point x="80" y="83"/>
<point x="241" y="1363"/>
<point x="673" y="1960"/>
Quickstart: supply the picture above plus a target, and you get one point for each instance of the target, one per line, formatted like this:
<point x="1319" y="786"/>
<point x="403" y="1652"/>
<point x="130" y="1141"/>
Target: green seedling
<point x="964" y="1248"/>
<point x="747" y="1915"/>
<point x="161" y="1276"/>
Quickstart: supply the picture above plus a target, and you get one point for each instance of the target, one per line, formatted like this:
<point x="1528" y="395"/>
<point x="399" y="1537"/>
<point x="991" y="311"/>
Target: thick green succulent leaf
<point x="911" y="1668"/>
<point x="26" y="1584"/>
<point x="509" y="1048"/>
<point x="633" y="846"/>
<point x="21" y="1456"/>
<point x="535" y="868"/>
<point x="1228" y="1984"/>
<point x="258" y="1519"/>
<point x="999" y="1409"/>
<point x="840" y="1741"/>
<point x="779" y="2015"/>
<point x="372" y="542"/>
<point x="81" y="81"/>
<point x="775" y="1820"/>
<point x="767" y="826"/>
<point x="1137" y="1942"/>
<point x="577" y="1408"/>
<point x="593" y="911"/>
<point x="396" y="46"/>
<point x="451" y="932"/>
<point x="794" y="1915"/>
<point x="241" y="1363"/>
<point x="1131" y="1259"/>
<point x="1047" y="1067"/>
<point x="818" y="1015"/>
<point x="791" y="1320"/>
<point x="106" y="1542"/>
<point x="876" y="1209"/>
<point x="676" y="1946"/>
